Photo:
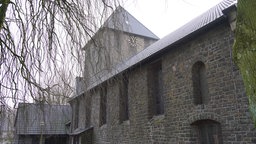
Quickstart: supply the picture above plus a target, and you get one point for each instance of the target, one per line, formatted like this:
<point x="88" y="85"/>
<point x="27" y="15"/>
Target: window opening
<point x="103" y="105"/>
<point x="124" y="108"/>
<point x="155" y="86"/>
<point x="200" y="85"/>
<point x="209" y="132"/>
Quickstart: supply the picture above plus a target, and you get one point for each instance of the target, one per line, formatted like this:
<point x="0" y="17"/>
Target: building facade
<point x="182" y="89"/>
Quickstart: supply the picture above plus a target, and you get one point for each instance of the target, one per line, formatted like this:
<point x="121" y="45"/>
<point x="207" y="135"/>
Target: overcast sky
<point x="164" y="16"/>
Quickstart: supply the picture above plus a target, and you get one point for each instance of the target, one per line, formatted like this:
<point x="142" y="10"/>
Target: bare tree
<point x="58" y="90"/>
<point x="41" y="39"/>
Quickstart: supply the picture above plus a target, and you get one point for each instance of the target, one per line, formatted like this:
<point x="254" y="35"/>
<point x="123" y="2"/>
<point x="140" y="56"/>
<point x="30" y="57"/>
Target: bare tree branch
<point x="41" y="45"/>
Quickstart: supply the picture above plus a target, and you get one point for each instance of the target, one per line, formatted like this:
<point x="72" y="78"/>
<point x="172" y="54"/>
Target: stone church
<point x="181" y="89"/>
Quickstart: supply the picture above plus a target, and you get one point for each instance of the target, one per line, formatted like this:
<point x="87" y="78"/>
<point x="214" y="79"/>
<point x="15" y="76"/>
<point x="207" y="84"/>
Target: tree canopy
<point x="244" y="51"/>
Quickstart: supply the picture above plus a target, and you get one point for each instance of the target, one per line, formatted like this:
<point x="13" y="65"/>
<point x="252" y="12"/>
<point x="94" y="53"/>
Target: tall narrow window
<point x="200" y="85"/>
<point x="209" y="132"/>
<point x="123" y="91"/>
<point x="155" y="86"/>
<point x="87" y="110"/>
<point x="103" y="105"/>
<point x="76" y="117"/>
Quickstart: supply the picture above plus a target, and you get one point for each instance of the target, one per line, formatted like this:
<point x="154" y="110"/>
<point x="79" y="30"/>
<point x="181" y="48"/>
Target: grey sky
<point x="164" y="16"/>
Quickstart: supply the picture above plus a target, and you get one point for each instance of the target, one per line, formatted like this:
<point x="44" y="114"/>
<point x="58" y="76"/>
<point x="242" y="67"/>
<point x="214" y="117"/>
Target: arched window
<point x="200" y="85"/>
<point x="208" y="132"/>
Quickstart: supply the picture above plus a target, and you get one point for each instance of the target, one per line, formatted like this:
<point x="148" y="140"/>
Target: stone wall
<point x="227" y="103"/>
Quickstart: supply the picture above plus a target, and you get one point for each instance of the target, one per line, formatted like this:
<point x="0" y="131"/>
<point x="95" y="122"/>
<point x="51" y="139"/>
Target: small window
<point x="103" y="105"/>
<point x="155" y="87"/>
<point x="123" y="92"/>
<point x="208" y="131"/>
<point x="200" y="85"/>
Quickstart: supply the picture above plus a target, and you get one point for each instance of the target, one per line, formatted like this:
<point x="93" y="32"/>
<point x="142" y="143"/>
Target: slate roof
<point x="122" y="20"/>
<point x="210" y="17"/>
<point x="34" y="119"/>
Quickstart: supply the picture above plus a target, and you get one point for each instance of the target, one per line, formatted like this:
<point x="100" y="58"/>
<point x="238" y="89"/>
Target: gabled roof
<point x="34" y="119"/>
<point x="122" y="20"/>
<point x="212" y="16"/>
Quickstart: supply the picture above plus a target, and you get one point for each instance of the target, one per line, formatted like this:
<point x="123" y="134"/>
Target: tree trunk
<point x="244" y="50"/>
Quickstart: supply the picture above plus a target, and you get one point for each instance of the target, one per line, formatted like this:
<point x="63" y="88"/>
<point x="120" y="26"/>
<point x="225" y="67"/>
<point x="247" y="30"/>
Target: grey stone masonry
<point x="183" y="89"/>
<point x="227" y="102"/>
